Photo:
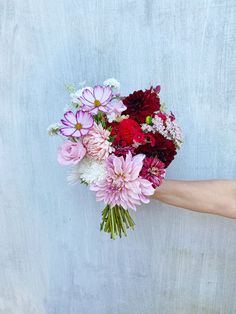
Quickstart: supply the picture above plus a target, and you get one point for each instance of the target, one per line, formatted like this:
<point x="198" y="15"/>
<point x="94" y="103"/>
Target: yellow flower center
<point x="78" y="126"/>
<point x="97" y="103"/>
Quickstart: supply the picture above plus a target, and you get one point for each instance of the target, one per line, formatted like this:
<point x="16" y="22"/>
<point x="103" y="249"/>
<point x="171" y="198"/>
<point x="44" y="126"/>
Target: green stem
<point x="107" y="225"/>
<point x="115" y="221"/>
<point x="120" y="209"/>
<point x="112" y="223"/>
<point x="124" y="218"/>
<point x="130" y="220"/>
<point x="104" y="214"/>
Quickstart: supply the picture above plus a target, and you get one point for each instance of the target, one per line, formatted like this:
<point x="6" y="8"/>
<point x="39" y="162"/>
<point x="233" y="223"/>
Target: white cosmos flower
<point x="87" y="170"/>
<point x="112" y="82"/>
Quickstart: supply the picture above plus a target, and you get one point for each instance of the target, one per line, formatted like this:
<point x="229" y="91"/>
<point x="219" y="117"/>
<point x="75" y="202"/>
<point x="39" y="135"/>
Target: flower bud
<point x="149" y="120"/>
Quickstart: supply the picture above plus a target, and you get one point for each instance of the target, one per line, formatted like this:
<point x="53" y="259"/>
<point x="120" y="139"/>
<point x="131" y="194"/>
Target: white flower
<point x="168" y="128"/>
<point x="175" y="132"/>
<point x="159" y="126"/>
<point x="112" y="82"/>
<point x="147" y="128"/>
<point x="53" y="129"/>
<point x="87" y="170"/>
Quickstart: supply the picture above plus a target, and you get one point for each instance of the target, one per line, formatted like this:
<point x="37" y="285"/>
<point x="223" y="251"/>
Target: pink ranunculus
<point x="122" y="185"/>
<point x="70" y="153"/>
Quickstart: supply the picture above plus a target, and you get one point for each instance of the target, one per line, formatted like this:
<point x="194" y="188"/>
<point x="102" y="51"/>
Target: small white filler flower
<point x="112" y="82"/>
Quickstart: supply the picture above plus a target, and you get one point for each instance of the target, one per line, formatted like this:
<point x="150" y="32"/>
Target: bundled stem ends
<point x="116" y="220"/>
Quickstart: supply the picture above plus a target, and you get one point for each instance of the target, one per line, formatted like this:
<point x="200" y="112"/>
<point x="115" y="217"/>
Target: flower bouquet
<point x="119" y="146"/>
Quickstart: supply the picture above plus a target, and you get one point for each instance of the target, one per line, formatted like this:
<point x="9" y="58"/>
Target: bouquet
<point x="119" y="146"/>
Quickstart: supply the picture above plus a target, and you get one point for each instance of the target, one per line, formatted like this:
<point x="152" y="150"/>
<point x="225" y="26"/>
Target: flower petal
<point x="104" y="109"/>
<point x="67" y="131"/>
<point x="85" y="118"/>
<point x="107" y="95"/>
<point x="94" y="110"/>
<point x="79" y="115"/>
<point x="69" y="124"/>
<point x="117" y="165"/>
<point x="98" y="92"/>
<point x="70" y="117"/>
<point x="88" y="95"/>
<point x="84" y="131"/>
<point x="77" y="133"/>
<point x="86" y="103"/>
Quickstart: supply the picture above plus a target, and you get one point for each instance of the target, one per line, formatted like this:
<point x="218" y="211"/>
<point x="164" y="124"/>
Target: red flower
<point x="123" y="151"/>
<point x="141" y="104"/>
<point x="162" y="115"/>
<point x="159" y="147"/>
<point x="153" y="170"/>
<point x="126" y="133"/>
<point x="172" y="116"/>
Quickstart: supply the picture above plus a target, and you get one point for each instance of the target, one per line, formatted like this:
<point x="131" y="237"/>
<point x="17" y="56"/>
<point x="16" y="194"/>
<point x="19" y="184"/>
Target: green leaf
<point x="112" y="138"/>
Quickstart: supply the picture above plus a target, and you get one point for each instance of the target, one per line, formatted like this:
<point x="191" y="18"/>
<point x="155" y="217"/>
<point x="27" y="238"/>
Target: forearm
<point x="214" y="196"/>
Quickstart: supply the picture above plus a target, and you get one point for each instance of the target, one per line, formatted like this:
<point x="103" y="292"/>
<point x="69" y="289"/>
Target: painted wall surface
<point x="53" y="258"/>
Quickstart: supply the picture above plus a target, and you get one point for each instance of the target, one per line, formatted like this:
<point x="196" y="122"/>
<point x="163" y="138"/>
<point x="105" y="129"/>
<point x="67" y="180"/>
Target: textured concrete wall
<point x="53" y="258"/>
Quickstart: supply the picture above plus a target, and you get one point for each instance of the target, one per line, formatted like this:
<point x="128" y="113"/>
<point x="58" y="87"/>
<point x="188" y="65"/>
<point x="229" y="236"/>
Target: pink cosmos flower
<point x="76" y="124"/>
<point x="70" y="153"/>
<point x="153" y="170"/>
<point x="97" y="98"/>
<point x="122" y="184"/>
<point x="97" y="142"/>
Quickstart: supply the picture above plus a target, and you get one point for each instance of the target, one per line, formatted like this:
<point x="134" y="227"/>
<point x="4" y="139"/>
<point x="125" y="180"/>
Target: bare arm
<point x="214" y="196"/>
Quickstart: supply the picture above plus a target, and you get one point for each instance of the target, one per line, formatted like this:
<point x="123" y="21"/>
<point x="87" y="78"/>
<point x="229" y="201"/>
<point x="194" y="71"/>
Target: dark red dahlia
<point x="123" y="151"/>
<point x="153" y="170"/>
<point x="126" y="133"/>
<point x="141" y="104"/>
<point x="159" y="147"/>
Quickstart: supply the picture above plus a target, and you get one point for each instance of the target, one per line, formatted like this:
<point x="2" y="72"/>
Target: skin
<point x="216" y="197"/>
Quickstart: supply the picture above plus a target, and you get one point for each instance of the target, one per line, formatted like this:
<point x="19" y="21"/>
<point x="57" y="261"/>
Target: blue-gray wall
<point x="53" y="259"/>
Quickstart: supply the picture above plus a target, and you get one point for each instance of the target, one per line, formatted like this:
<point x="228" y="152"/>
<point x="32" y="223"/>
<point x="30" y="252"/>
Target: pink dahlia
<point x="76" y="124"/>
<point x="153" y="170"/>
<point x="97" y="142"/>
<point x="122" y="184"/>
<point x="97" y="98"/>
